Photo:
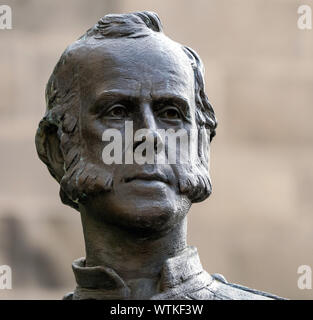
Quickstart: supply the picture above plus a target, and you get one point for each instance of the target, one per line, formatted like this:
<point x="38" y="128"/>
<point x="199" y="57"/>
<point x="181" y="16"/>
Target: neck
<point x="131" y="256"/>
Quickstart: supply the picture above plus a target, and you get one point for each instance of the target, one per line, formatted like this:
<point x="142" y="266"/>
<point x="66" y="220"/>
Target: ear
<point x="48" y="148"/>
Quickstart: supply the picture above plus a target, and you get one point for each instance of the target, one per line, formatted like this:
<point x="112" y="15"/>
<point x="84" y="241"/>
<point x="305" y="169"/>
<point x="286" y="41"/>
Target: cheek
<point x="97" y="134"/>
<point x="91" y="142"/>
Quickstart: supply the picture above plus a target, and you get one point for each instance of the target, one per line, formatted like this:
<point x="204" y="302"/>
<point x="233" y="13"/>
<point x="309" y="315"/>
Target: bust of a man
<point x="110" y="99"/>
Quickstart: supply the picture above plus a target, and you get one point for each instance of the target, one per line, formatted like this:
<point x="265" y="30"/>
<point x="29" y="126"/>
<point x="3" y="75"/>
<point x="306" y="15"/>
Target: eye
<point x="118" y="111"/>
<point x="170" y="113"/>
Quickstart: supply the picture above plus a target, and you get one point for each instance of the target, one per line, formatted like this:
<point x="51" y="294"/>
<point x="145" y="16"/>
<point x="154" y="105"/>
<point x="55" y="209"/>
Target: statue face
<point x="150" y="82"/>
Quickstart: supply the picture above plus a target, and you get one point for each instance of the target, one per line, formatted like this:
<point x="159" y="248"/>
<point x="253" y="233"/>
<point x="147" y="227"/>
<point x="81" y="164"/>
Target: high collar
<point x="178" y="273"/>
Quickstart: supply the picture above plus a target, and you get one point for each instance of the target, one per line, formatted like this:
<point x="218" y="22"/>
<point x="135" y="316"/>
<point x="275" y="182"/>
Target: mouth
<point x="148" y="177"/>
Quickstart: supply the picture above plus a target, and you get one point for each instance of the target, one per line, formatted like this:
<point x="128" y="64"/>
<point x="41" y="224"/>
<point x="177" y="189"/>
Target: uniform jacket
<point x="182" y="278"/>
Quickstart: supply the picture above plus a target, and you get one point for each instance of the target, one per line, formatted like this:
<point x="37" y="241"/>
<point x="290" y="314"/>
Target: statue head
<point x="124" y="69"/>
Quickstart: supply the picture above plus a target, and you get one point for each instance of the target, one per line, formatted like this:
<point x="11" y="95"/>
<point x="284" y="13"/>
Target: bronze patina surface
<point x="134" y="216"/>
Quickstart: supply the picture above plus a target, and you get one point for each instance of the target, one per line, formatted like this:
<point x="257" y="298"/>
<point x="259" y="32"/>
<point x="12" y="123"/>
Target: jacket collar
<point x="101" y="282"/>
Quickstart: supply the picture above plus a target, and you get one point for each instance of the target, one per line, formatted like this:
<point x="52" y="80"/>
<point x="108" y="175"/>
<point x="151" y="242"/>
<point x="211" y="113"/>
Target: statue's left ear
<point x="48" y="148"/>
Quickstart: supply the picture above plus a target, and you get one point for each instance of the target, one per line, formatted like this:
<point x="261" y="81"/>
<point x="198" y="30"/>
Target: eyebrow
<point x="175" y="99"/>
<point x="121" y="95"/>
<point x="111" y="96"/>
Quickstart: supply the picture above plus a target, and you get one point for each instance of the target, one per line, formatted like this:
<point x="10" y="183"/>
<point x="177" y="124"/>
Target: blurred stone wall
<point x="257" y="227"/>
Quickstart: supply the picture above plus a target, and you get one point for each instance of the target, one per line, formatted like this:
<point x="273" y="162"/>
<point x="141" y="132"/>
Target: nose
<point x="153" y="137"/>
<point x="147" y="118"/>
<point x="147" y="121"/>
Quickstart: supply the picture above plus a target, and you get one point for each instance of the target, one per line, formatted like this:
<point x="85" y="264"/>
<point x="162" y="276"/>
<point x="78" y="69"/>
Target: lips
<point x="148" y="177"/>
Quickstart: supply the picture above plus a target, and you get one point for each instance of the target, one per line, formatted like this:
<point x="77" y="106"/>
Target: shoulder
<point x="224" y="290"/>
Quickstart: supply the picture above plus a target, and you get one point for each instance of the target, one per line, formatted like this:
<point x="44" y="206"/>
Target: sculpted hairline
<point x="205" y="115"/>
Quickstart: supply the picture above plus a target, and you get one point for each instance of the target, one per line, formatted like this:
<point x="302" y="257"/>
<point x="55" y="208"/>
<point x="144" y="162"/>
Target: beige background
<point x="257" y="227"/>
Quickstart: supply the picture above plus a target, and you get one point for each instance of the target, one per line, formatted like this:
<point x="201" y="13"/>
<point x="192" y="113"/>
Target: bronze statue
<point x="133" y="214"/>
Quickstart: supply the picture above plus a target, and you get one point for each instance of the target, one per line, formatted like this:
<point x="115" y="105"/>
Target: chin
<point x="141" y="215"/>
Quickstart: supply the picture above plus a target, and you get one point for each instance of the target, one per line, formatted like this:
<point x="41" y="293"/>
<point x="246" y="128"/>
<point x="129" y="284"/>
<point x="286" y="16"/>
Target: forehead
<point x="153" y="65"/>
